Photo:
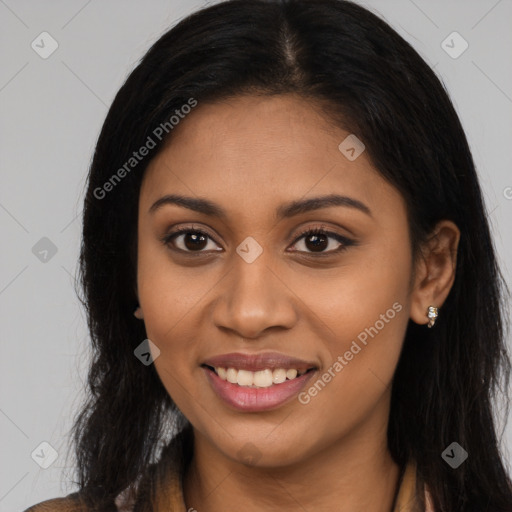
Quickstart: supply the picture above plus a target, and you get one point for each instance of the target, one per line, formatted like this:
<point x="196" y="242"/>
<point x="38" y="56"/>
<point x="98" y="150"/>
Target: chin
<point x="258" y="450"/>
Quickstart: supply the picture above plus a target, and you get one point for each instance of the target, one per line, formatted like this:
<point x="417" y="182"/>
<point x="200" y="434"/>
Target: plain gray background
<point x="52" y="111"/>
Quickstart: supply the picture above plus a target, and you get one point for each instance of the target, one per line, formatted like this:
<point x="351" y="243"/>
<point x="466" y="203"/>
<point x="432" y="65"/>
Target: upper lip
<point x="256" y="362"/>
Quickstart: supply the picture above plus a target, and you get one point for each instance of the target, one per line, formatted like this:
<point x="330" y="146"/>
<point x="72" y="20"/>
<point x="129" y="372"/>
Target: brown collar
<point x="412" y="495"/>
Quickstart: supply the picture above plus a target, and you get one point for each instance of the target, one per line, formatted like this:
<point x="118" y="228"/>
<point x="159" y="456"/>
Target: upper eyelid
<point x="190" y="229"/>
<point x="324" y="229"/>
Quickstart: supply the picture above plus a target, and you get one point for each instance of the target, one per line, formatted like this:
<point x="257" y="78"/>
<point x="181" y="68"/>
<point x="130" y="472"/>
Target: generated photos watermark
<point x="158" y="133"/>
<point x="343" y="360"/>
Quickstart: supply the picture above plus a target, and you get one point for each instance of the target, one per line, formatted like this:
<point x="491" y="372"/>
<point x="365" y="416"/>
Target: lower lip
<point x="247" y="399"/>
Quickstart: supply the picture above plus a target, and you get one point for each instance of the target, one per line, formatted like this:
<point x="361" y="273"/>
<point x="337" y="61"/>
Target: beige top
<point x="406" y="500"/>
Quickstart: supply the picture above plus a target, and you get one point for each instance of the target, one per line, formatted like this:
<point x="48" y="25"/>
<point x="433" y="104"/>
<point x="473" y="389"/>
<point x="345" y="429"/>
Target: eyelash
<point x="345" y="242"/>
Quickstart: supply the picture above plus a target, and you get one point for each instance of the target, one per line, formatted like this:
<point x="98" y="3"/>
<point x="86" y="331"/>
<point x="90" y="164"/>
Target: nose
<point x="253" y="299"/>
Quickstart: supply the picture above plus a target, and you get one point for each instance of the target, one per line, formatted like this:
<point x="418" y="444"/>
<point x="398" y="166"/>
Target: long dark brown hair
<point x="373" y="83"/>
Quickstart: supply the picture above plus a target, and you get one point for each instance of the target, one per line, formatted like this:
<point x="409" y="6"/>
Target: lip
<point x="246" y="399"/>
<point x="256" y="362"/>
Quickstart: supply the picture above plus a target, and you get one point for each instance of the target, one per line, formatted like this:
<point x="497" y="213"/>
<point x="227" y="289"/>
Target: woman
<point x="291" y="287"/>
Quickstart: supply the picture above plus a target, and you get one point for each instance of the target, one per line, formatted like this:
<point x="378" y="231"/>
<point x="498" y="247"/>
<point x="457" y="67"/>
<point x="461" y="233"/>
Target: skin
<point x="250" y="155"/>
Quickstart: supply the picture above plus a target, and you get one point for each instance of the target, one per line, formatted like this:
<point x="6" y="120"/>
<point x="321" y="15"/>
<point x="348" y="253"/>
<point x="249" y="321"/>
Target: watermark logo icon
<point x="44" y="250"/>
<point x="44" y="455"/>
<point x="249" y="250"/>
<point x="44" y="45"/>
<point x="351" y="147"/>
<point x="454" y="45"/>
<point x="147" y="352"/>
<point x="454" y="455"/>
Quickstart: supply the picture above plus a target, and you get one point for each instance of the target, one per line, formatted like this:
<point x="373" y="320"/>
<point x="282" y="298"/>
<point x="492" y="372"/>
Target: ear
<point x="138" y="310"/>
<point x="435" y="270"/>
<point x="138" y="313"/>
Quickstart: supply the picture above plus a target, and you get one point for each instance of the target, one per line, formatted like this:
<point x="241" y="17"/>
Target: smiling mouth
<point x="265" y="378"/>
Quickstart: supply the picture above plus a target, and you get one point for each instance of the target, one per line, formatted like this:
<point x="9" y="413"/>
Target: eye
<point x="190" y="240"/>
<point x="310" y="241"/>
<point x="318" y="240"/>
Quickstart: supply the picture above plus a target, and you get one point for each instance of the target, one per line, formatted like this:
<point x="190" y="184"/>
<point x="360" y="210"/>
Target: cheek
<point x="361" y="313"/>
<point x="167" y="293"/>
<point x="174" y="298"/>
<point x="170" y="295"/>
<point x="353" y="296"/>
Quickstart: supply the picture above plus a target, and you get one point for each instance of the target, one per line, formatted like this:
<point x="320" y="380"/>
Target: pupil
<point x="319" y="242"/>
<point x="315" y="243"/>
<point x="195" y="241"/>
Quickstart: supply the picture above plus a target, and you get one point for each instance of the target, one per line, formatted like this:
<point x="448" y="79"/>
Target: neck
<point x="354" y="474"/>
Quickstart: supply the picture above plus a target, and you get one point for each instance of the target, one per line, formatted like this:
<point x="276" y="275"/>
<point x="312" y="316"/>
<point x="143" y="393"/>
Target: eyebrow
<point x="284" y="211"/>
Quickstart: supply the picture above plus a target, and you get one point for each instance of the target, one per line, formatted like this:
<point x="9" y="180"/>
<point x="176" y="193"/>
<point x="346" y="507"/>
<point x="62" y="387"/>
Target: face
<point x="247" y="288"/>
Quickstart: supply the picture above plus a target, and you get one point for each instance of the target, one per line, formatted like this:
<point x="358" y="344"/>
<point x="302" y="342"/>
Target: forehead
<point x="256" y="151"/>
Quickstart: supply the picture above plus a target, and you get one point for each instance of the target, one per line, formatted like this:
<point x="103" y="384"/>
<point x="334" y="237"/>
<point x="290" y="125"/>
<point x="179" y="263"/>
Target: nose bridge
<point x="253" y="298"/>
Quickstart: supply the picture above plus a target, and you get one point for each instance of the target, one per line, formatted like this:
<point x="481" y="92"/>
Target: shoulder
<point x="70" y="503"/>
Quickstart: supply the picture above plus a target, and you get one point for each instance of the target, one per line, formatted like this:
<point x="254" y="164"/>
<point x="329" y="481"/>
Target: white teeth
<point x="231" y="375"/>
<point x="279" y="376"/>
<point x="291" y="373"/>
<point x="260" y="379"/>
<point x="244" y="378"/>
